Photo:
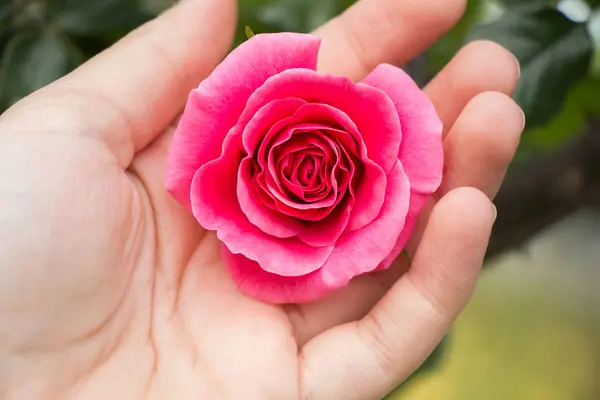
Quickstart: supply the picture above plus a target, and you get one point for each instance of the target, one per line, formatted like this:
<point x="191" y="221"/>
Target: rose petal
<point x="329" y="118"/>
<point x="255" y="282"/>
<point x="293" y="188"/>
<point x="295" y="137"/>
<point x="354" y="255"/>
<point x="306" y="169"/>
<point x="277" y="134"/>
<point x="421" y="151"/>
<point x="362" y="251"/>
<point x="296" y="209"/>
<point x="370" y="109"/>
<point x="266" y="118"/>
<point x="215" y="107"/>
<point x="327" y="231"/>
<point x="289" y="150"/>
<point x="409" y="225"/>
<point x="369" y="191"/>
<point x="263" y="194"/>
<point x="269" y="221"/>
<point x="216" y="207"/>
<point x="370" y="196"/>
<point x="307" y="146"/>
<point x="291" y="181"/>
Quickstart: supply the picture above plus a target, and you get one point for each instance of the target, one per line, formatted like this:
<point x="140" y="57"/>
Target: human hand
<point x="110" y="289"/>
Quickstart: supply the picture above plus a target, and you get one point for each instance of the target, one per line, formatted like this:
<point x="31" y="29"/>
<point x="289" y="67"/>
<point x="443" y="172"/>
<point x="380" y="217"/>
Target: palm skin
<point x="131" y="290"/>
<point x="110" y="289"/>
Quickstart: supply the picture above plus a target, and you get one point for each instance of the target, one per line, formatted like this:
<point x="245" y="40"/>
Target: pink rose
<point x="309" y="179"/>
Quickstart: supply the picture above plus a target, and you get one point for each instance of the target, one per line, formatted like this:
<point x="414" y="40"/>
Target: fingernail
<point x="524" y="119"/>
<point x="495" y="212"/>
<point x="518" y="66"/>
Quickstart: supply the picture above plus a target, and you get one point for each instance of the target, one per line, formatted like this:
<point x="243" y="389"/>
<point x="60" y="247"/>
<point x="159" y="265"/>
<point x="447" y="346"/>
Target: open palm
<point x="110" y="289"/>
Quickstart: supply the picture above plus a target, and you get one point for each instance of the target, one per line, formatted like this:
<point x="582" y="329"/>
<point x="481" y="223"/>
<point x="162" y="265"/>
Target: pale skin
<point x="110" y="290"/>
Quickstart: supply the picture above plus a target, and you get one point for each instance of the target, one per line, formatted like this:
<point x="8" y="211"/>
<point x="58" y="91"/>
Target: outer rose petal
<point x="421" y="151"/>
<point x="262" y="285"/>
<point x="215" y="206"/>
<point x="215" y="107"/>
<point x="369" y="108"/>
<point x="355" y="254"/>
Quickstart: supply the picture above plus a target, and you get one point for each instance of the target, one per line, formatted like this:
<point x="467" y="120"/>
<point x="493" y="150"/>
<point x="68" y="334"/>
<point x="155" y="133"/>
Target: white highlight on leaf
<point x="491" y="11"/>
<point x="575" y="10"/>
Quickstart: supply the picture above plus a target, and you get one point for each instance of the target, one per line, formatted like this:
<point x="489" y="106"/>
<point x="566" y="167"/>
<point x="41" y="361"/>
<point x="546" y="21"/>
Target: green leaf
<point x="31" y="61"/>
<point x="94" y="17"/>
<point x="249" y="32"/>
<point x="6" y="25"/>
<point x="581" y="104"/>
<point x="5" y="11"/>
<point x="5" y="37"/>
<point x="406" y="257"/>
<point x="554" y="53"/>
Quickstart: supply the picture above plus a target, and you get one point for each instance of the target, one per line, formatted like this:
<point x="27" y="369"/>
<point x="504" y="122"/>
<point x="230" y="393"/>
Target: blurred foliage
<point x="41" y="40"/>
<point x="265" y="16"/>
<point x="24" y="54"/>
<point x="581" y="102"/>
<point x="554" y="53"/>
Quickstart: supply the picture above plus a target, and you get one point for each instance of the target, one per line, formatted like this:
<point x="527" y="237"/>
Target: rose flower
<point x="308" y="179"/>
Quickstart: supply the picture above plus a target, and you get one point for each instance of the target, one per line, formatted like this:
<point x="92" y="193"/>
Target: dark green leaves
<point x="298" y="16"/>
<point x="581" y="103"/>
<point x="154" y="7"/>
<point x="554" y="53"/>
<point x="5" y="11"/>
<point x="93" y="17"/>
<point x="32" y="61"/>
<point x="287" y="15"/>
<point x="42" y="40"/>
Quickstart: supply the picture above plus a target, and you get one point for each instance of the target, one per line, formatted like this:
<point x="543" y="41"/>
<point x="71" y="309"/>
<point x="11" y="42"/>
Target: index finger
<point x="372" y="32"/>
